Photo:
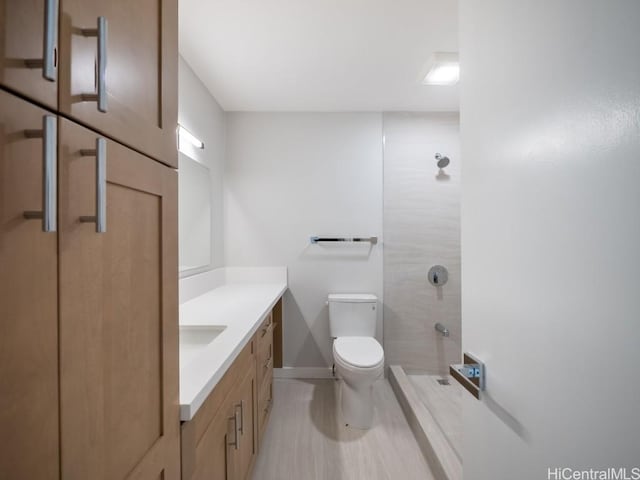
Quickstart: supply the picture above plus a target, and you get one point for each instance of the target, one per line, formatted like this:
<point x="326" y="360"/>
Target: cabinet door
<point x="265" y="402"/>
<point x="118" y="312"/>
<point x="140" y="65"/>
<point x="247" y="445"/>
<point x="215" y="452"/>
<point x="28" y="48"/>
<point x="28" y="299"/>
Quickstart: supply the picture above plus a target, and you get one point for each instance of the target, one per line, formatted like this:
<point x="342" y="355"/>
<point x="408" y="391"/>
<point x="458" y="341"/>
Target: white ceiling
<point x="319" y="55"/>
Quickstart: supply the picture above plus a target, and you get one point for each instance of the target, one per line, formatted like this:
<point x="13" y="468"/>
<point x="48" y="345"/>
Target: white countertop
<point x="240" y="307"/>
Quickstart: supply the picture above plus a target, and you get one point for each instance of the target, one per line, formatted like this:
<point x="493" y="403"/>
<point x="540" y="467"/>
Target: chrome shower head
<point x="442" y="161"/>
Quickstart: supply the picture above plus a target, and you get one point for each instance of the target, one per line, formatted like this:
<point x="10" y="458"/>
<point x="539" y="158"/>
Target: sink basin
<point x="194" y="339"/>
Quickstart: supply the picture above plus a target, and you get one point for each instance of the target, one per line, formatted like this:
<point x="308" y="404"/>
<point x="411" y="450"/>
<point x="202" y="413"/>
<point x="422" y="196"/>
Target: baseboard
<point x="302" y="372"/>
<point x="442" y="459"/>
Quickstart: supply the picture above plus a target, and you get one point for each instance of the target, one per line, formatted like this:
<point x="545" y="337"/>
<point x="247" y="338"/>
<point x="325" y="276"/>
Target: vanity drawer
<point x="265" y="332"/>
<point x="264" y="357"/>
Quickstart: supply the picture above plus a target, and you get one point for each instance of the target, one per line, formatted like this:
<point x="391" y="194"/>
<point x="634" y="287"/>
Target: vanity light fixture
<point x="185" y="136"/>
<point x="443" y="69"/>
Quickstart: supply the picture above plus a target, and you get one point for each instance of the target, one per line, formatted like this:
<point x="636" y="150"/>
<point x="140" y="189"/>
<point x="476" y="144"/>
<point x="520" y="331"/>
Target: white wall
<point x="199" y="113"/>
<point x="291" y="176"/>
<point x="550" y="132"/>
<point x="421" y="229"/>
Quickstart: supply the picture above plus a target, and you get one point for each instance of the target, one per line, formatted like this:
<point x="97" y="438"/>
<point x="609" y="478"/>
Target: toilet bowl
<point x="359" y="363"/>
<point x="358" y="357"/>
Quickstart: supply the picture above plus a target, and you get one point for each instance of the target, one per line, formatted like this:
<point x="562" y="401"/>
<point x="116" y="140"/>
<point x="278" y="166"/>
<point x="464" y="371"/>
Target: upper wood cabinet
<point x="109" y="65"/>
<point x="28" y="297"/>
<point x="118" y="71"/>
<point x="118" y="311"/>
<point x="28" y="49"/>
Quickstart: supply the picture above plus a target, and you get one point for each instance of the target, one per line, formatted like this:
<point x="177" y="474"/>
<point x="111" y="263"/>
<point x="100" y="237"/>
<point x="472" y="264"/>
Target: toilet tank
<point x="352" y="315"/>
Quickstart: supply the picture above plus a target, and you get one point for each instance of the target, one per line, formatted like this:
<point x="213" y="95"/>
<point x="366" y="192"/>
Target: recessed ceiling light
<point x="443" y="69"/>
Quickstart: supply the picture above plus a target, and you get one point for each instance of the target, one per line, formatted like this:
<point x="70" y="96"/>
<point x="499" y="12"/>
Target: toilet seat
<point x="358" y="352"/>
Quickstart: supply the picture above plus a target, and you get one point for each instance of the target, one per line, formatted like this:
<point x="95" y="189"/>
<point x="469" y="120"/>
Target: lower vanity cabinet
<point x="219" y="443"/>
<point x="244" y="403"/>
<point x="213" y="456"/>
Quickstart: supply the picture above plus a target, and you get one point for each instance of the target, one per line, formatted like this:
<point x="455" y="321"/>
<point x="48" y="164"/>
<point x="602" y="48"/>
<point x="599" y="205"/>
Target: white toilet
<point x="358" y="356"/>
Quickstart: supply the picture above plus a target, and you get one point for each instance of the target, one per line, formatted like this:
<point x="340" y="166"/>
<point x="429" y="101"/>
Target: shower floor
<point x="444" y="403"/>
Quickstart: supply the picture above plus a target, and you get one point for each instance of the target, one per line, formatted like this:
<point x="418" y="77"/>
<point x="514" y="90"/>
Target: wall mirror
<point x="194" y="215"/>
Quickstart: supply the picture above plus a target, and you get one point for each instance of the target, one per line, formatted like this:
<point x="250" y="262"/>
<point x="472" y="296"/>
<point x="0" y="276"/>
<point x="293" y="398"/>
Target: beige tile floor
<point x="444" y="403"/>
<point x="306" y="439"/>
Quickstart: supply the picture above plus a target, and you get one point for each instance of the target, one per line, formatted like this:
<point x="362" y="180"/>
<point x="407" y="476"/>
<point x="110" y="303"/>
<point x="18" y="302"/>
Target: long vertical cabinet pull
<point x="100" y="218"/>
<point x="102" y="34"/>
<point x="48" y="62"/>
<point x="234" y="444"/>
<point x="50" y="173"/>
<point x="237" y="430"/>
<point x="49" y="135"/>
<point x="50" y="40"/>
<point x="241" y="417"/>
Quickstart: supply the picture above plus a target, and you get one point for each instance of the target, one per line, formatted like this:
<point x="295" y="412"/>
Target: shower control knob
<point x="438" y="275"/>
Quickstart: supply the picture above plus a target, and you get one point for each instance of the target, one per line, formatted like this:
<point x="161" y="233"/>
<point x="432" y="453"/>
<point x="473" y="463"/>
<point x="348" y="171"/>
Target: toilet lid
<point x="359" y="351"/>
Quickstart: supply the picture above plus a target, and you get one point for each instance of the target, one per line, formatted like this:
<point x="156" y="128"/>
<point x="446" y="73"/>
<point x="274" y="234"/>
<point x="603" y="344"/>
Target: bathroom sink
<point x="194" y="339"/>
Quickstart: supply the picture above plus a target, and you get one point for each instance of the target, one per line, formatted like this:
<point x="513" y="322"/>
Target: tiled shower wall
<point x="421" y="229"/>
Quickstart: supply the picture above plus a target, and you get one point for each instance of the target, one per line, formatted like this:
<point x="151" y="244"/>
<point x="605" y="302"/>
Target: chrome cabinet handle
<point x="100" y="218"/>
<point x="265" y="329"/>
<point x="267" y="364"/>
<point x="102" y="33"/>
<point x="235" y="431"/>
<point x="49" y="43"/>
<point x="236" y="441"/>
<point x="50" y="39"/>
<point x="49" y="135"/>
<point x="268" y="406"/>
<point x="50" y="173"/>
<point x="241" y="417"/>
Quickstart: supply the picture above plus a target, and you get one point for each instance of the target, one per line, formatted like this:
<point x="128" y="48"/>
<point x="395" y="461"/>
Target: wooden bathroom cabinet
<point x="50" y="53"/>
<point x="28" y="63"/>
<point x="221" y="442"/>
<point x="28" y="303"/>
<point x="118" y="323"/>
<point x="89" y="308"/>
<point x="140" y="81"/>
<point x="88" y="320"/>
